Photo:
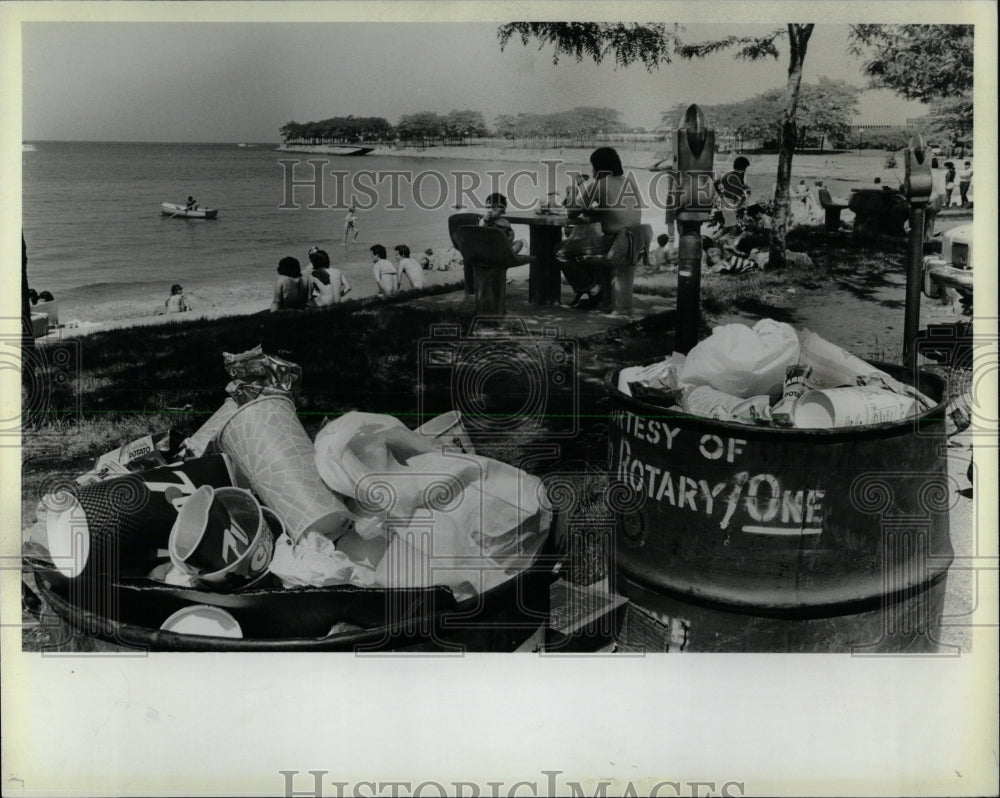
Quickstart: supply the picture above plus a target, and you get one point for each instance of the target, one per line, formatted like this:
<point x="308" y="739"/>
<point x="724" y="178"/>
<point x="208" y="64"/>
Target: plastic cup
<point x="448" y="429"/>
<point x="267" y="442"/>
<point x="202" y="619"/>
<point x="850" y="407"/>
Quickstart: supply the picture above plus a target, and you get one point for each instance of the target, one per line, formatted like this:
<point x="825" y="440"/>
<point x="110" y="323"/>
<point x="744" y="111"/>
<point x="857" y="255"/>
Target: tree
<point x="930" y="63"/>
<point x="655" y="44"/>
<point x="422" y="125"/>
<point x="465" y="123"/>
<point x="918" y="62"/>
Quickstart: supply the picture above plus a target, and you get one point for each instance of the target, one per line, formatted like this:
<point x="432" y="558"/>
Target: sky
<point x="222" y="81"/>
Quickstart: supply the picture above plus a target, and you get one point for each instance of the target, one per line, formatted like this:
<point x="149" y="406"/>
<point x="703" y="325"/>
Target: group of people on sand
<point x="321" y="286"/>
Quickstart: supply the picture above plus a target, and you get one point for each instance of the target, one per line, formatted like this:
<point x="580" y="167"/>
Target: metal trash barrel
<point x="732" y="537"/>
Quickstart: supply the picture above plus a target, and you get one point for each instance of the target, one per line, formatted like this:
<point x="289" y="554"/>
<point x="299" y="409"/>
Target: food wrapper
<point x="709" y="403"/>
<point x="660" y="377"/>
<point x="138" y="455"/>
<point x="254" y="368"/>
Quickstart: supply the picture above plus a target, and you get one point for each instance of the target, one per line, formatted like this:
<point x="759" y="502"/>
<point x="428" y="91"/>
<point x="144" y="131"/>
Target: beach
<point x="112" y="264"/>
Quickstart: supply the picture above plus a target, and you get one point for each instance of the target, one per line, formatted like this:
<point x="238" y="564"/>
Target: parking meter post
<point x="918" y="186"/>
<point x="695" y="151"/>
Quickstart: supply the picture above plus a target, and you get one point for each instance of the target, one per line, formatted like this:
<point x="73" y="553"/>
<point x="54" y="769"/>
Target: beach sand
<point x="212" y="303"/>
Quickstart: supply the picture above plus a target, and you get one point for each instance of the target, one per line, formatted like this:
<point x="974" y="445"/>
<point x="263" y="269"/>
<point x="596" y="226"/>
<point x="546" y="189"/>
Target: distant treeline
<point x="584" y="123"/>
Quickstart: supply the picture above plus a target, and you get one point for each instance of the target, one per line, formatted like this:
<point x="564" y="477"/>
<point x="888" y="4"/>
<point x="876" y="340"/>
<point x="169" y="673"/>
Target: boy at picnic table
<point x="496" y="207"/>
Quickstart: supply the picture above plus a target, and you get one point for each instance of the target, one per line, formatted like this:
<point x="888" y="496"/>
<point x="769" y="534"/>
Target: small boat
<point x="29" y="148"/>
<point x="173" y="209"/>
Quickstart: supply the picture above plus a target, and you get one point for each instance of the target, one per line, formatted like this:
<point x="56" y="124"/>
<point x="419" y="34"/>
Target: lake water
<point x="94" y="230"/>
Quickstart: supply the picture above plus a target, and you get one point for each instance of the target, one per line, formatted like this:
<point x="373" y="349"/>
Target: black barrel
<point x="741" y="538"/>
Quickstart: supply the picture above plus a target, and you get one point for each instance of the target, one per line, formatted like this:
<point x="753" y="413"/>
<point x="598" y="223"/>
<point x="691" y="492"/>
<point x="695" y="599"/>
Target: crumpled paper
<point x="426" y="516"/>
<point x="254" y="374"/>
<point x="315" y="561"/>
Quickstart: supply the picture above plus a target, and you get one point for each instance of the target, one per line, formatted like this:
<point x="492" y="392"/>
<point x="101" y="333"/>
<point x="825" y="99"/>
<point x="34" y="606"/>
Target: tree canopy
<point x="930" y="63"/>
<point x="918" y="62"/>
<point x="583" y="122"/>
<point x="655" y="44"/>
<point x="826" y="109"/>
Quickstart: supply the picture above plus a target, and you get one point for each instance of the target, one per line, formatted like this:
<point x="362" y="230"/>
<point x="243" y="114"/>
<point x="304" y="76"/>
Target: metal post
<point x="918" y="186"/>
<point x="695" y="150"/>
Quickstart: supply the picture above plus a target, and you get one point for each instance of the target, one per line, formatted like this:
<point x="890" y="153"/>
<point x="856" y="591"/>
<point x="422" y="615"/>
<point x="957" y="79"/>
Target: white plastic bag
<point x="743" y="361"/>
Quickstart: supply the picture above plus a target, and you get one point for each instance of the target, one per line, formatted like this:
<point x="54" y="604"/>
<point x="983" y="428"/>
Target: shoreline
<point x="241" y="302"/>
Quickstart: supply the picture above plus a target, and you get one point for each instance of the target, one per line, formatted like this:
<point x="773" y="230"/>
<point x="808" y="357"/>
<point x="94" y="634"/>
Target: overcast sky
<point x="241" y="82"/>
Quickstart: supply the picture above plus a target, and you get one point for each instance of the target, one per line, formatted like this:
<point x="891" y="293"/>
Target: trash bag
<point x="743" y="361"/>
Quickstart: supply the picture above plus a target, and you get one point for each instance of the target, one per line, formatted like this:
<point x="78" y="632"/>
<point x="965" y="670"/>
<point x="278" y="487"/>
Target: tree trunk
<point x="798" y="40"/>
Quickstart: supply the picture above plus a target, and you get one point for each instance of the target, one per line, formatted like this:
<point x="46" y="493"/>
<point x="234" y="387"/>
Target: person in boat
<point x="176" y="302"/>
<point x="384" y="272"/>
<point x="290" y="290"/>
<point x="327" y="286"/>
<point x="351" y="223"/>
<point x="192" y="204"/>
<point x="611" y="198"/>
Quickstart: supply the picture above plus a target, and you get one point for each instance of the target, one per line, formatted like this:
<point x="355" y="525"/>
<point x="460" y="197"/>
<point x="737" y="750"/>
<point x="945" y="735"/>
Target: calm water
<point x="94" y="230"/>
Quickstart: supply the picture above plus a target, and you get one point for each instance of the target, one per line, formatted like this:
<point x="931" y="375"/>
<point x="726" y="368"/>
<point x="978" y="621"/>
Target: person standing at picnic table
<point x="384" y="272"/>
<point x="351" y="223"/>
<point x="964" y="181"/>
<point x="613" y="199"/>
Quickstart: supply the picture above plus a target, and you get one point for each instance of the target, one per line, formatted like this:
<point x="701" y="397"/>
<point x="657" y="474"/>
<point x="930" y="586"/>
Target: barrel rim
<point x="832" y="434"/>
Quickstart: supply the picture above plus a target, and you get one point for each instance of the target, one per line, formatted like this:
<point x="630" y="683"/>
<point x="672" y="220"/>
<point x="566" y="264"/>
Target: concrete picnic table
<point x="878" y="211"/>
<point x="545" y="276"/>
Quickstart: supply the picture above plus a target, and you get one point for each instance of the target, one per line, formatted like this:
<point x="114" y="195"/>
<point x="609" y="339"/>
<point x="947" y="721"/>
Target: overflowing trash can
<point x="252" y="535"/>
<point x="744" y="532"/>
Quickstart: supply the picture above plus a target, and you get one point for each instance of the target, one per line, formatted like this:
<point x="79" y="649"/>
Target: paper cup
<point x="115" y="527"/>
<point x="223" y="538"/>
<point x="268" y="443"/>
<point x="202" y="619"/>
<point x="850" y="407"/>
<point x="448" y="430"/>
<point x="199" y="443"/>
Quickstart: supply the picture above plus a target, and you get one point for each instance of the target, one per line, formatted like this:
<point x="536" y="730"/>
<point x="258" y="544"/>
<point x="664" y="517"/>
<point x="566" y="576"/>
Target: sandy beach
<point x="214" y="302"/>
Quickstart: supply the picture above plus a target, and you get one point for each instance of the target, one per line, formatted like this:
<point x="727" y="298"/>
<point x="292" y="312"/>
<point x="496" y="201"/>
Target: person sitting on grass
<point x="658" y="257"/>
<point x="290" y="290"/>
<point x="496" y="207"/>
<point x="385" y="273"/>
<point x="327" y="286"/>
<point x="408" y="267"/>
<point x="176" y="302"/>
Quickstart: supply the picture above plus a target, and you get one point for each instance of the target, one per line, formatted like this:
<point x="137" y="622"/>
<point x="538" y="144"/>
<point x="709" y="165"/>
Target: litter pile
<point x="249" y="504"/>
<point x="773" y="375"/>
